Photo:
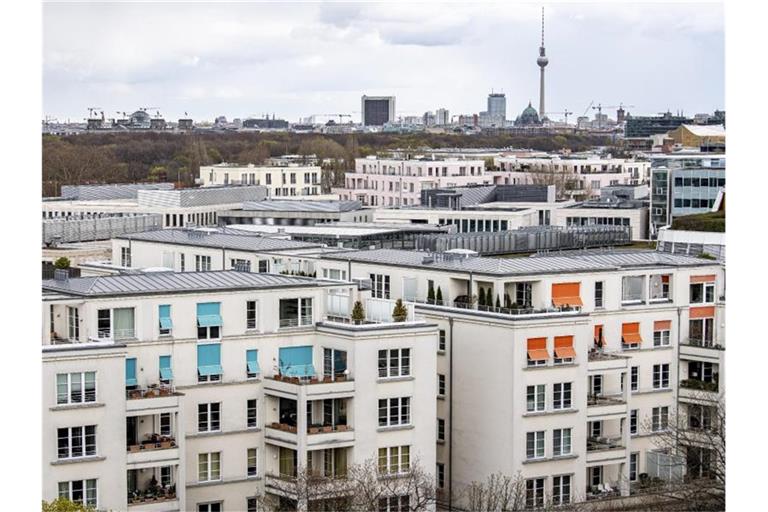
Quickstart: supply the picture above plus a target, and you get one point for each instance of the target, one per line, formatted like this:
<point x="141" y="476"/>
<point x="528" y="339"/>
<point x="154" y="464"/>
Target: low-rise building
<point x="296" y="213"/>
<point x="279" y="181"/>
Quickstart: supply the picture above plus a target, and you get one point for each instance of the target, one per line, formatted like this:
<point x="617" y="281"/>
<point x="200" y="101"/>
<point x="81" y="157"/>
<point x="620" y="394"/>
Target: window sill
<point x="441" y="441"/>
<point x="441" y="397"/>
<point x="534" y="414"/>
<point x="394" y="428"/>
<point x="382" y="380"/>
<point x="660" y="301"/>
<point x="75" y="460"/>
<point x="554" y="458"/>
<point x="440" y="352"/>
<point x="223" y="433"/>
<point x="652" y="391"/>
<point x="632" y="303"/>
<point x="551" y="366"/>
<point x="67" y="407"/>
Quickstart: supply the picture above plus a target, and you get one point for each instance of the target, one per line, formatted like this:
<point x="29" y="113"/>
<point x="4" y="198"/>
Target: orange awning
<point x="566" y="294"/>
<point x="598" y="331"/>
<point x="537" y="349"/>
<point x="703" y="279"/>
<point x="662" y="325"/>
<point x="564" y="347"/>
<point x="665" y="279"/>
<point x="630" y="333"/>
<point x="702" y="312"/>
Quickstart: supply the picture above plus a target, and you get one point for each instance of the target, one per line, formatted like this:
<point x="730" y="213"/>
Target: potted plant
<point x="327" y="379"/>
<point x="430" y="295"/>
<point x="341" y="377"/>
<point x="314" y="428"/>
<point x="439" y="296"/>
<point x="327" y="428"/>
<point x="400" y="313"/>
<point x="358" y="313"/>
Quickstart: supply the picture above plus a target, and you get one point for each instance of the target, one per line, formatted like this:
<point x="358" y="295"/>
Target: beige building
<point x="280" y="181"/>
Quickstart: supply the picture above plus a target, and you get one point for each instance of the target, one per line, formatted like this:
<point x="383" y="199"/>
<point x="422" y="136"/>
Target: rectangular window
<point x="252" y="462"/>
<point x="125" y="256"/>
<point x="634" y="378"/>
<point x="210" y="507"/>
<point x="599" y="294"/>
<point x="80" y="491"/>
<point x="165" y="424"/>
<point x="660" y="418"/>
<point x="295" y="312"/>
<point x="440" y="475"/>
<point x="209" y="321"/>
<point x="440" y="384"/>
<point x="395" y="504"/>
<point x="633" y="421"/>
<point x="165" y="324"/>
<point x="561" y="442"/>
<point x="394" y="362"/>
<point x="536" y="398"/>
<point x="441" y="340"/>
<point x="661" y="338"/>
<point x="702" y="293"/>
<point x="334" y="363"/>
<point x="73" y="324"/>
<point x="252" y="369"/>
<point x="394" y="460"/>
<point x="534" y="493"/>
<point x="701" y="332"/>
<point x="202" y="263"/>
<point x="561" y="490"/>
<point x="251" y="413"/>
<point x="633" y="459"/>
<point x="394" y="411"/>
<point x="209" y="363"/>
<point x="250" y="315"/>
<point x="440" y="429"/>
<point x="632" y="289"/>
<point x="209" y="417"/>
<point x="182" y="266"/>
<point x="75" y="388"/>
<point x="661" y="376"/>
<point x="380" y="286"/>
<point x="76" y="442"/>
<point x="660" y="287"/>
<point x="562" y="396"/>
<point x="240" y="265"/>
<point x="209" y="467"/>
<point x="534" y="447"/>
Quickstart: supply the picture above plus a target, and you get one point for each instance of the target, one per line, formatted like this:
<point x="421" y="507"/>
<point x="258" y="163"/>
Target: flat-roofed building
<point x="212" y="390"/>
<point x="279" y="180"/>
<point x="296" y="213"/>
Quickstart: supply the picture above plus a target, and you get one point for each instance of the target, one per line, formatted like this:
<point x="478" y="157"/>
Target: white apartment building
<point x="585" y="175"/>
<point x="202" y="391"/>
<point x="466" y="221"/>
<point x="571" y="380"/>
<point x="280" y="181"/>
<point x="399" y="182"/>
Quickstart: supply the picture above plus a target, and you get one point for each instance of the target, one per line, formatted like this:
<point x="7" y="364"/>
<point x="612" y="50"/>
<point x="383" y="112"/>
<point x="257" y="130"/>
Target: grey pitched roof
<point x="540" y="264"/>
<point x="181" y="282"/>
<point x="199" y="238"/>
<point x="302" y="206"/>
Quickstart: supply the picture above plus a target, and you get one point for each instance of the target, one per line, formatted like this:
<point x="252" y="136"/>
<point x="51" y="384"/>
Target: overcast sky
<point x="296" y="60"/>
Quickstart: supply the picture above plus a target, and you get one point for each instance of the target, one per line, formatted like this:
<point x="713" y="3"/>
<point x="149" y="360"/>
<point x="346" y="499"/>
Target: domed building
<point x="529" y="117"/>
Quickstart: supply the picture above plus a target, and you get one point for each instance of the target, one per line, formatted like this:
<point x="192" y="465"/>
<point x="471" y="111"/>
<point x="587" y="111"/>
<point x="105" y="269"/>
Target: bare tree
<point x="505" y="493"/>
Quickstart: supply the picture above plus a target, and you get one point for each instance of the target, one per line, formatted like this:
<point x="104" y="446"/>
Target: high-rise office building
<point x="497" y="106"/>
<point x="377" y="110"/>
<point x="442" y="116"/>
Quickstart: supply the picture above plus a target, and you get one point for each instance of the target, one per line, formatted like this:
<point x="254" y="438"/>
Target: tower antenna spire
<point x="542" y="26"/>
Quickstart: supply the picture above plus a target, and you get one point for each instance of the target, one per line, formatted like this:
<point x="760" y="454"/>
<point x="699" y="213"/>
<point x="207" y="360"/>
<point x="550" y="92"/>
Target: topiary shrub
<point x="400" y="313"/>
<point x="358" y="313"/>
<point x="62" y="263"/>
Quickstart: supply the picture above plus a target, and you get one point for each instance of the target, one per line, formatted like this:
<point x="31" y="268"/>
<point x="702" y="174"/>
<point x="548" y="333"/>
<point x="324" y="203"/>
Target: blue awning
<point x="296" y="361"/>
<point x="165" y="317"/>
<point x="252" y="361"/>
<point x="130" y="372"/>
<point x="209" y="314"/>
<point x="166" y="373"/>
<point x="209" y="359"/>
<point x="298" y="370"/>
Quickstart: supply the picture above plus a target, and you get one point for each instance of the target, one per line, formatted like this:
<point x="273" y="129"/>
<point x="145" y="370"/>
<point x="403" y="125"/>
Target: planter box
<point x="327" y="429"/>
<point x="134" y="448"/>
<point x="327" y="379"/>
<point x="314" y="430"/>
<point x="341" y="378"/>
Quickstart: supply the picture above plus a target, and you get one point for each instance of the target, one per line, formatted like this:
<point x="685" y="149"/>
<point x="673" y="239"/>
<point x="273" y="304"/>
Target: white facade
<point x="466" y="221"/>
<point x="398" y="182"/>
<point x="280" y="181"/>
<point x="635" y="218"/>
<point x="203" y="425"/>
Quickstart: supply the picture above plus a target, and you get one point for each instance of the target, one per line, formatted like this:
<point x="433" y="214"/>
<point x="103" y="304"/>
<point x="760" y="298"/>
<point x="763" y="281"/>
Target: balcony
<point x="153" y="499"/>
<point x="698" y="391"/>
<point x="340" y="384"/>
<point x="701" y="349"/>
<point x="518" y="312"/>
<point x="605" y="406"/>
<point x="329" y="436"/>
<point x="605" y="449"/>
<point x="154" y="447"/>
<point x="161" y="396"/>
<point x="598" y="360"/>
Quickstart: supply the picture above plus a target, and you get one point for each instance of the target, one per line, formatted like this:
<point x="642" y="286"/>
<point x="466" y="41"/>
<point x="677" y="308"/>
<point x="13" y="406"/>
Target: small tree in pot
<point x="430" y="295"/>
<point x="439" y="297"/>
<point x="62" y="263"/>
<point x="400" y="313"/>
<point x="358" y="313"/>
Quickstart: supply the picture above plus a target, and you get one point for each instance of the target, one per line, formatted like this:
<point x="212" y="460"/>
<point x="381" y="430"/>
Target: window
<point x="202" y="263"/>
<point x="534" y="493"/>
<point x="394" y="460"/>
<point x="252" y="504"/>
<point x="536" y="396"/>
<point x="441" y="340"/>
<point x="209" y="363"/>
<point x="661" y="376"/>
<point x="75" y="388"/>
<point x="660" y="287"/>
<point x="334" y="363"/>
<point x="252" y="369"/>
<point x="209" y="466"/>
<point x="595" y="476"/>
<point x="440" y="475"/>
<point x="440" y="429"/>
<point x="595" y="385"/>
<point x="209" y="417"/>
<point x="295" y="312"/>
<point x="561" y="442"/>
<point x="125" y="256"/>
<point x="115" y="323"/>
<point x="599" y="294"/>
<point x="164" y="316"/>
<point x="77" y="442"/>
<point x="701" y="332"/>
<point x="395" y="504"/>
<point x="702" y="293"/>
<point x="699" y="417"/>
<point x="394" y="411"/>
<point x="210" y="507"/>
<point x="661" y="334"/>
<point x="251" y="413"/>
<point x="165" y="476"/>
<point x="79" y="491"/>
<point x="523" y="292"/>
<point x="440" y="384"/>
<point x="252" y="462"/>
<point x="562" y="396"/>
<point x="564" y="353"/>
<point x="240" y="265"/>
<point x="660" y="418"/>
<point x="181" y="262"/>
<point x="380" y="286"/>
<point x="209" y="321"/>
<point x="534" y="445"/>
<point x="263" y="266"/>
<point x="394" y="362"/>
<point x="633" y="459"/>
<point x="250" y="315"/>
<point x="165" y="424"/>
<point x="632" y="289"/>
<point x="634" y="378"/>
<point x="595" y="428"/>
<point x="561" y="489"/>
<point x="633" y="421"/>
<point x="73" y="324"/>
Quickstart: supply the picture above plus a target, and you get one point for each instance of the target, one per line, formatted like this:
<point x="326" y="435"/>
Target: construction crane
<point x="564" y="113"/>
<point x="588" y="107"/>
<point x="340" y="116"/>
<point x="600" y="108"/>
<point x="91" y="110"/>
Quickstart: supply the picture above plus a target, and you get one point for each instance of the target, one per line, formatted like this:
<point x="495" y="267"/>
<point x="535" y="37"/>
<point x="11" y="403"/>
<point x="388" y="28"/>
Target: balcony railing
<point x="604" y="443"/>
<point x="596" y="354"/>
<point x="593" y="400"/>
<point x="116" y="334"/>
<point x="513" y="311"/>
<point x="153" y="442"/>
<point x="327" y="429"/>
<point x="699" y="342"/>
<point x="150" y="392"/>
<point x="296" y="321"/>
<point x="305" y="379"/>
<point x="285" y="427"/>
<point x="700" y="385"/>
<point x="154" y="494"/>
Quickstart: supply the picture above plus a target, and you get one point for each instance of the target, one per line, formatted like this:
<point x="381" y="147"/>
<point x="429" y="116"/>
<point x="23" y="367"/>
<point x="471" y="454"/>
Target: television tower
<point x="542" y="61"/>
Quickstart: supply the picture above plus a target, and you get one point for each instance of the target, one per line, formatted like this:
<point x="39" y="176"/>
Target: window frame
<point x="707" y="293"/>
<point x="202" y="263"/>
<point x="565" y="390"/>
<point x="534" y="492"/>
<point x="402" y="368"/>
<point x="394" y="460"/>
<point x="535" y="445"/>
<point x="561" y="496"/>
<point x="536" y="398"/>
<point x="660" y="418"/>
<point x="208" y="473"/>
<point x="599" y="296"/>
<point x="251" y="315"/>
<point x="441" y="386"/>
<point x="633" y="425"/>
<point x="661" y="338"/>
<point x="558" y="448"/>
<point x="661" y="376"/>
<point x="252" y="413"/>
<point x="206" y="417"/>
<point x="86" y="485"/>
<point x="634" y="378"/>
<point x="252" y="462"/>
<point x="397" y="411"/>
<point x="83" y="391"/>
<point x="81" y="435"/>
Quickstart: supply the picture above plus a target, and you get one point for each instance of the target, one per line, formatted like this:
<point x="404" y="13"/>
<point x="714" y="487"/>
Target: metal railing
<point x="150" y="392"/>
<point x="296" y="321"/>
<point x="614" y="399"/>
<point x="115" y="334"/>
<point x="604" y="443"/>
<point x="700" y="342"/>
<point x="700" y="385"/>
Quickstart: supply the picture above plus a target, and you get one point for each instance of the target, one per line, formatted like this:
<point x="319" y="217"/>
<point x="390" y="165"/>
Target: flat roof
<point x="538" y="264"/>
<point x="215" y="238"/>
<point x="327" y="229"/>
<point x="181" y="282"/>
<point x="302" y="206"/>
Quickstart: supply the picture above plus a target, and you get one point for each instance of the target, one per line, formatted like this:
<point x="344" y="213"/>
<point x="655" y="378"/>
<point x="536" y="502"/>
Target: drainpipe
<point x="677" y="394"/>
<point x="450" y="414"/>
<point x="223" y="258"/>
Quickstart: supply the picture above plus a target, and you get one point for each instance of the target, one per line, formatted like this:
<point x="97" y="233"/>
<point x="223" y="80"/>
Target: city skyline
<point x="250" y="59"/>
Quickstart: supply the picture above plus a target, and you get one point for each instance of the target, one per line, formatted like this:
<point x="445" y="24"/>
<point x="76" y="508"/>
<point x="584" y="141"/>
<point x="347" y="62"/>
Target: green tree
<point x="400" y="313"/>
<point x="430" y="294"/>
<point x="481" y="298"/>
<point x="439" y="297"/>
<point x="358" y="313"/>
<point x="65" y="505"/>
<point x="62" y="263"/>
<point x="498" y="302"/>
